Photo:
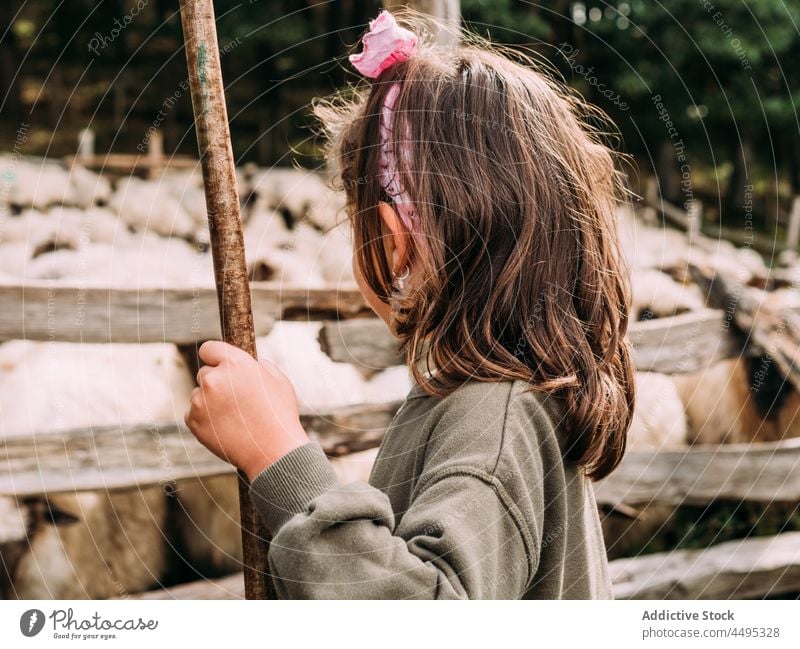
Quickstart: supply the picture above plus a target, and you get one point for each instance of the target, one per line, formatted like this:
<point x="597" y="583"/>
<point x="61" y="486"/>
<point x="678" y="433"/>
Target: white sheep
<point x="327" y="210"/>
<point x="655" y="294"/>
<point x="61" y="228"/>
<point x="93" y="545"/>
<point x="721" y="406"/>
<point x="41" y="184"/>
<point x="330" y="254"/>
<point x="648" y="247"/>
<point x="93" y="224"/>
<point x="14" y="524"/>
<point x="143" y="262"/>
<point x="89" y="385"/>
<point x="320" y="382"/>
<point x="87" y="188"/>
<point x="288" y="190"/>
<point x="36" y="185"/>
<point x="144" y="205"/>
<point x="21" y="227"/>
<point x="187" y="188"/>
<point x="659" y="419"/>
<point x="726" y="258"/>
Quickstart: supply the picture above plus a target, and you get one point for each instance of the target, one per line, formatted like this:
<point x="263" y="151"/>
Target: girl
<point x="482" y="207"/>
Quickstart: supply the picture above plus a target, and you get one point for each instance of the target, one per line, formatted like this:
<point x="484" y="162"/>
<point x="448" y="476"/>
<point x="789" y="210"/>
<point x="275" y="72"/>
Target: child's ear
<point x="397" y="244"/>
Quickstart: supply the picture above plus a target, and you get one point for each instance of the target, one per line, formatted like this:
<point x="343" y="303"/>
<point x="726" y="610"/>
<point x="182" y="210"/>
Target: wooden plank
<point x="766" y="244"/>
<point x="350" y="429"/>
<point x="760" y="472"/>
<point x="131" y="161"/>
<point x="683" y="343"/>
<point x="114" y="458"/>
<point x="691" y="222"/>
<point x="365" y="342"/>
<point x="152" y="454"/>
<point x="49" y="311"/>
<point x="742" y="569"/>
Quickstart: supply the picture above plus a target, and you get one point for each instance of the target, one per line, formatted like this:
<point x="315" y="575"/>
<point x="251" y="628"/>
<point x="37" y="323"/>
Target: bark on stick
<point x="227" y="242"/>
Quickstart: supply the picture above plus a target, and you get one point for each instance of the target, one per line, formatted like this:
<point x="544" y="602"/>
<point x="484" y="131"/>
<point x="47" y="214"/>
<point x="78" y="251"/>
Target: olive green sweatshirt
<point x="469" y="498"/>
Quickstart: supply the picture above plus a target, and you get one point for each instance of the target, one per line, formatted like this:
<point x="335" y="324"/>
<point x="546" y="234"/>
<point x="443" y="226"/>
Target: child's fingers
<point x="195" y="405"/>
<point x="213" y="352"/>
<point x="215" y="378"/>
<point x="202" y="374"/>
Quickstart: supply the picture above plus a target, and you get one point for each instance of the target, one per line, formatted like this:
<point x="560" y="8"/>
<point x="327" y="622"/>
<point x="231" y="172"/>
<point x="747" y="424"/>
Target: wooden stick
<point x="227" y="241"/>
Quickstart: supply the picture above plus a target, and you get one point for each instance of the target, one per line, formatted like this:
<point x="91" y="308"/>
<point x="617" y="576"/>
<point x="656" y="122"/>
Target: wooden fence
<point x="158" y="453"/>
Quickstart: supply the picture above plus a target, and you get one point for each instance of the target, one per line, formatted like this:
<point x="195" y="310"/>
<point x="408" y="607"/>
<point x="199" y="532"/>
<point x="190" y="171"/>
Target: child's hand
<point x="244" y="411"/>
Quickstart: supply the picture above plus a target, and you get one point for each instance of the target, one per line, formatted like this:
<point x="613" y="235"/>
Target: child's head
<point x="512" y="261"/>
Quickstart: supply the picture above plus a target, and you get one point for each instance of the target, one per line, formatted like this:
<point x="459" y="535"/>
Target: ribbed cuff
<point x="286" y="487"/>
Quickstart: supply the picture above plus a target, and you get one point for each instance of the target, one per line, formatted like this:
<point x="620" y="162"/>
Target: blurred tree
<point x="715" y="69"/>
<point x="10" y="60"/>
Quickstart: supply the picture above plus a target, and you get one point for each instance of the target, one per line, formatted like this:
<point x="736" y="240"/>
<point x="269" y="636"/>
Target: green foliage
<point x="723" y="69"/>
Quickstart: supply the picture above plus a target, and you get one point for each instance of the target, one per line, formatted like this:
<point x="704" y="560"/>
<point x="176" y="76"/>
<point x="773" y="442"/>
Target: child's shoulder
<point x="497" y="403"/>
<point x="484" y="424"/>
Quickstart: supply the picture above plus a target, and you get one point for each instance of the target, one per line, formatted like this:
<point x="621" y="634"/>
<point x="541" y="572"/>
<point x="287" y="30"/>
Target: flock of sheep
<point x="73" y="226"/>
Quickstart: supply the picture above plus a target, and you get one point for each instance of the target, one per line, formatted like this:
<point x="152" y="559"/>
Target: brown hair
<point x="516" y="197"/>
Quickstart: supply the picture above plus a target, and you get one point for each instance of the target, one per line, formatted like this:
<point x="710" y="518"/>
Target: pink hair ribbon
<point x="385" y="44"/>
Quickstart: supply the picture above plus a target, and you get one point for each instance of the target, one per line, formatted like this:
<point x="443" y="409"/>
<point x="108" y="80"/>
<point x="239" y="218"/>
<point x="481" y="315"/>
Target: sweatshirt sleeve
<point x="462" y="538"/>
